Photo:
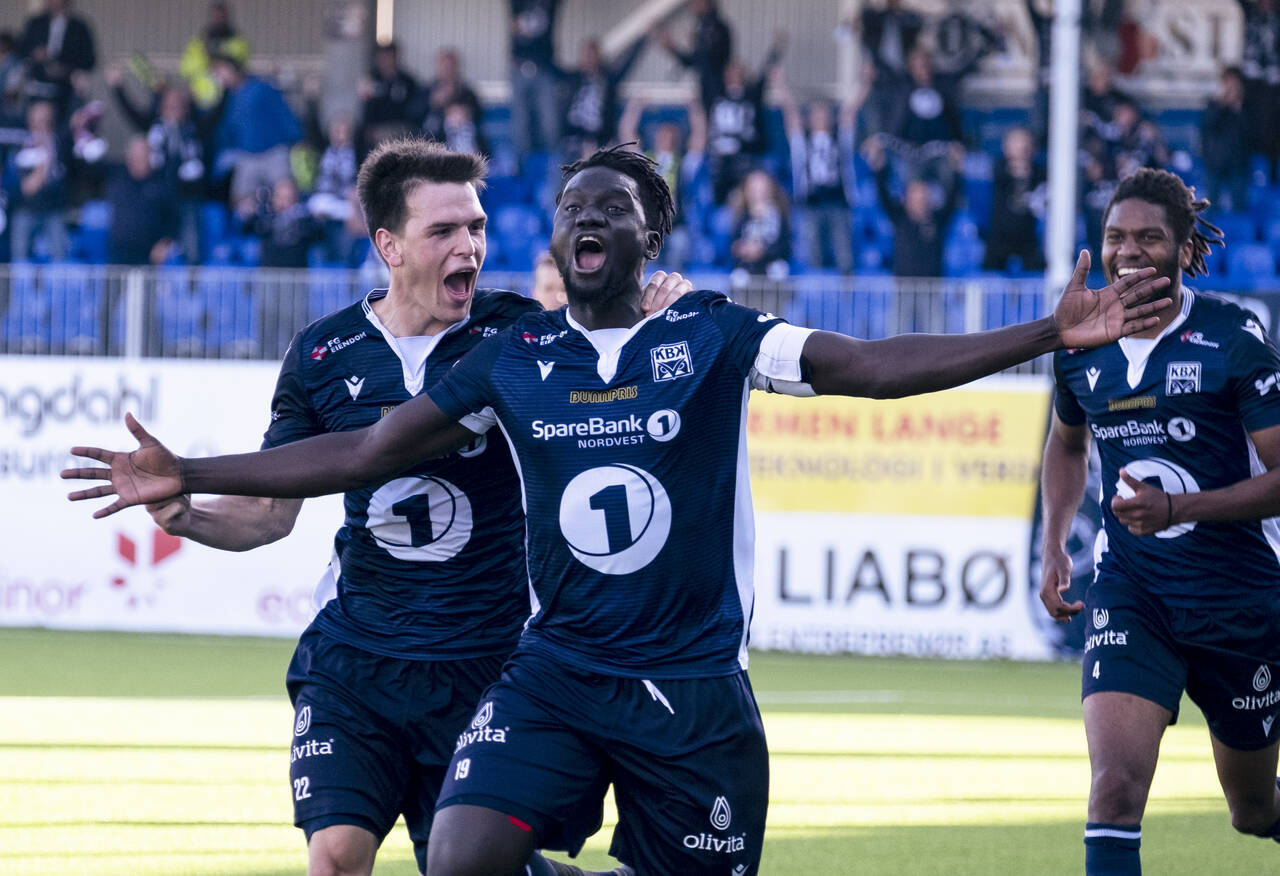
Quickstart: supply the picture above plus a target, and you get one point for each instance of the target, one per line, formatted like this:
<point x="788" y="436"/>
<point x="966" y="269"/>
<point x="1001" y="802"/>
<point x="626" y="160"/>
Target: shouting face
<point x="599" y="238"/>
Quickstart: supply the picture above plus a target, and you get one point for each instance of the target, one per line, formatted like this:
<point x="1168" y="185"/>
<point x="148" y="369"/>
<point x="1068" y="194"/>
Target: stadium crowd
<point x="222" y="167"/>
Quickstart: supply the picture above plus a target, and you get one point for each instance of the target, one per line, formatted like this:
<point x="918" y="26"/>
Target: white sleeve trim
<point x="480" y="422"/>
<point x="777" y="365"/>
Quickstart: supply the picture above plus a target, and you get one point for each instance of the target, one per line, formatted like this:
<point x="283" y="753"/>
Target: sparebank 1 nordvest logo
<point x="138" y="582"/>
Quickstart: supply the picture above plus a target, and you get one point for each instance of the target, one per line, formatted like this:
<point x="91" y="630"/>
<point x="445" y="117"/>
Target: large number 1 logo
<point x="615" y="518"/>
<point x="422" y="518"/>
<point x="1173" y="479"/>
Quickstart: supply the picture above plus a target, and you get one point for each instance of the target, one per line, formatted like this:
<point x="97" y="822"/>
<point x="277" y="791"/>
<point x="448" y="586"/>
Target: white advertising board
<point x="61" y="568"/>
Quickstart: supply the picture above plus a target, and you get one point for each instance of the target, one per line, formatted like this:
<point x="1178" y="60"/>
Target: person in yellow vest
<point x="219" y="37"/>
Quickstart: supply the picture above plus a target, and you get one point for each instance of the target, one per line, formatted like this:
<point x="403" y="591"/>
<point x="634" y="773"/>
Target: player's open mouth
<point x="1124" y="272"/>
<point x="459" y="284"/>
<point x="588" y="254"/>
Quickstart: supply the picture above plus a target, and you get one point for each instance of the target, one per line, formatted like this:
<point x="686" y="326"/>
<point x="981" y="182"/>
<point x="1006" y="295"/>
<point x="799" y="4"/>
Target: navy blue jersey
<point x="1180" y="419"/>
<point x="640" y="530"/>
<point x="429" y="565"/>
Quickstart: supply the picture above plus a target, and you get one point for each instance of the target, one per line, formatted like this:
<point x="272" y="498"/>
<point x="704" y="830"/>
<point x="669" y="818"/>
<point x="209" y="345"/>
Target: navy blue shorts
<point x="372" y="735"/>
<point x="1225" y="656"/>
<point x="687" y="760"/>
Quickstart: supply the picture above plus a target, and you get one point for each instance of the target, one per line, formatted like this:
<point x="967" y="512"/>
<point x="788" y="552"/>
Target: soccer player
<point x="628" y="440"/>
<point x="427" y="591"/>
<point x="1186" y="415"/>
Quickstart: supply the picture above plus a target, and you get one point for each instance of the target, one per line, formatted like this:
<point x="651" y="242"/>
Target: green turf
<point x="131" y="754"/>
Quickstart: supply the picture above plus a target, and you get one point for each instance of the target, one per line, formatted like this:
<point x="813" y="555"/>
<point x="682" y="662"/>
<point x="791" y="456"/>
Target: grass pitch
<point x="133" y="754"/>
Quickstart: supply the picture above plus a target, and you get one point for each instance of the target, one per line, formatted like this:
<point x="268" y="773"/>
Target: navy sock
<point x="1112" y="849"/>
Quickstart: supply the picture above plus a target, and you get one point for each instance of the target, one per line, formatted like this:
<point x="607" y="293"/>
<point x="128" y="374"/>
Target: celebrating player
<point x="427" y="589"/>
<point x="628" y="435"/>
<point x="1186" y="415"/>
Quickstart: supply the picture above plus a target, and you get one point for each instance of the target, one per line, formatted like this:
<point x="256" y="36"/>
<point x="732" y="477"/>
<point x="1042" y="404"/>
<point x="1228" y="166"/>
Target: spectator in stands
<point x="1098" y="180"/>
<point x="1134" y="141"/>
<point x="1224" y="143"/>
<point x="330" y="204"/>
<point x="822" y="154"/>
<point x="177" y="135"/>
<point x="889" y="35"/>
<point x="287" y="231"/>
<point x="762" y="229"/>
<point x="961" y="40"/>
<point x="462" y="129"/>
<point x="929" y="111"/>
<point x="681" y="161"/>
<point x="447" y="88"/>
<point x="736" y="137"/>
<point x="59" y="50"/>
<point x="285" y="227"/>
<point x="219" y="37"/>
<point x="144" y="218"/>
<point x="534" y="76"/>
<point x="1260" y="64"/>
<point x="710" y="52"/>
<point x="1040" y="12"/>
<point x="254" y="134"/>
<point x="1100" y="95"/>
<point x="548" y="286"/>
<point x="592" y="89"/>
<point x="12" y="79"/>
<point x="389" y="99"/>
<point x="35" y="180"/>
<point x="919" y="235"/>
<point x="1019" y="187"/>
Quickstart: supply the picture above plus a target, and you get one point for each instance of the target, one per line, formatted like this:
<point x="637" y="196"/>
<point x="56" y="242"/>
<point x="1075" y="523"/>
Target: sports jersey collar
<point x="1138" y="350"/>
<point x="412" y="367"/>
<point x="607" y="344"/>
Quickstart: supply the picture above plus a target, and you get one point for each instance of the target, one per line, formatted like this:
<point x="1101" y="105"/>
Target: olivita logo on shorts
<point x="303" y="722"/>
<point x="1262" y="678"/>
<point x="1100" y="618"/>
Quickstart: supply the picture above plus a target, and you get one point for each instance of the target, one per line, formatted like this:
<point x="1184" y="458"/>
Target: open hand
<point x="147" y="475"/>
<point x="662" y="291"/>
<point x="1093" y="317"/>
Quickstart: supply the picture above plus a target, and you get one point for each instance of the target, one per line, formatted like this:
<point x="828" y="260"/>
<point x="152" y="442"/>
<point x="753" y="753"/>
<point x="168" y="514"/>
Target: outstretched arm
<point x="229" y="523"/>
<point x="1150" y="509"/>
<point x="916" y="363"/>
<point x="332" y="463"/>
<point x="1063" y="474"/>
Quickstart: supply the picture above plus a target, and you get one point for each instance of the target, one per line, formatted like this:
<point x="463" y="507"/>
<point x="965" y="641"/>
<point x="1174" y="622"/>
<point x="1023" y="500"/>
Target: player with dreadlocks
<point x="1187" y="590"/>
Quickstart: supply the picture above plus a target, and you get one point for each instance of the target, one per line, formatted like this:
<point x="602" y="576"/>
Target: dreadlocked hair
<point x="1181" y="208"/>
<point x="655" y="194"/>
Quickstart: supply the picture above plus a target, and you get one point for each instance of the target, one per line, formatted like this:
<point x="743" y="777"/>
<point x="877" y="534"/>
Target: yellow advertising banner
<point x="969" y="452"/>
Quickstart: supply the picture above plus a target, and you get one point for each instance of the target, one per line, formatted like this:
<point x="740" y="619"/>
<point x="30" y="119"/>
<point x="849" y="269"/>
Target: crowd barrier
<point x="251" y="313"/>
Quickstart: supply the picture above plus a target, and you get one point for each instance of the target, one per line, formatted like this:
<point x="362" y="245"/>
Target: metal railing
<point x="251" y="313"/>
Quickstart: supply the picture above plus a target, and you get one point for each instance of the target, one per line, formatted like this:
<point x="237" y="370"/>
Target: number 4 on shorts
<point x="1097" y="668"/>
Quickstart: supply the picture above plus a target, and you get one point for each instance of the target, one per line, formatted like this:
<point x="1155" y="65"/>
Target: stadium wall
<point x="884" y="528"/>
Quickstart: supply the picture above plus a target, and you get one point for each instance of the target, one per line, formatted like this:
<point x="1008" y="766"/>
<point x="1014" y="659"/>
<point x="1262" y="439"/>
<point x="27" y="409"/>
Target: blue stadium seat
<point x="95" y="220"/>
<point x="515" y="222"/>
<point x="1252" y="263"/>
<point x="1237" y="227"/>
<point x="213" y="228"/>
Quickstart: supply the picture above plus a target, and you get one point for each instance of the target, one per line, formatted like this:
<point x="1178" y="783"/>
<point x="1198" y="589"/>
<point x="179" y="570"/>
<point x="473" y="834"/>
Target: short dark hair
<point x="396" y="167"/>
<point x="655" y="194"/>
<point x="1181" y="208"/>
